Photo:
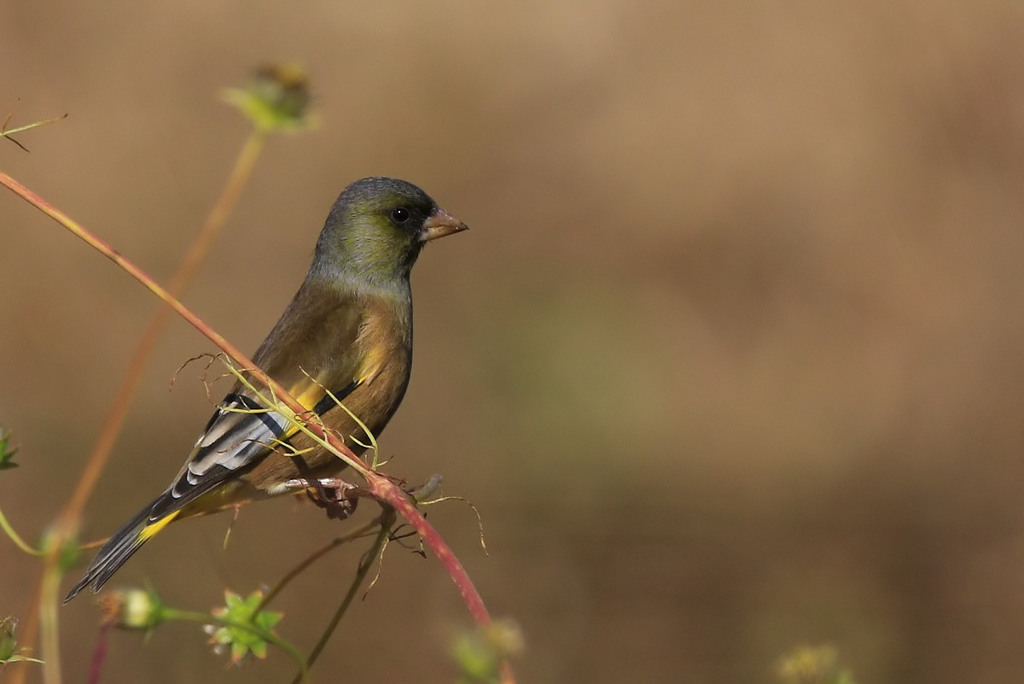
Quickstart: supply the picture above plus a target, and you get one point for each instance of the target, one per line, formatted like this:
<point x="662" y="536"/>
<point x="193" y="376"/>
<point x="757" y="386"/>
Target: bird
<point x="342" y="348"/>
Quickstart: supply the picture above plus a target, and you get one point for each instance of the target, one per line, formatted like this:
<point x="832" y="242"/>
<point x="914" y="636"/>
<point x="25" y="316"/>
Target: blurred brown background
<point x="731" y="361"/>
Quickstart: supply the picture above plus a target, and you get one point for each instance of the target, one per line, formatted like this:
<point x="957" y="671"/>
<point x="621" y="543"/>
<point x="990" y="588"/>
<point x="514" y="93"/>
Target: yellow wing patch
<point x="308" y="393"/>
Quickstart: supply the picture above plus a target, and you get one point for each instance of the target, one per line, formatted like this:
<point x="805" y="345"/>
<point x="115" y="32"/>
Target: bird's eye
<point x="400" y="215"/>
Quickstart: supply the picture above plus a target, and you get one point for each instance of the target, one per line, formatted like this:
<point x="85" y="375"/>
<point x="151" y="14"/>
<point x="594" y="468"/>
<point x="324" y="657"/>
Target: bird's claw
<point x="336" y="496"/>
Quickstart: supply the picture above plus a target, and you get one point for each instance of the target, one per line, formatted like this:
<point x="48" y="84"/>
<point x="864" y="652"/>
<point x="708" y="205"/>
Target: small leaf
<point x="259" y="649"/>
<point x="7" y="451"/>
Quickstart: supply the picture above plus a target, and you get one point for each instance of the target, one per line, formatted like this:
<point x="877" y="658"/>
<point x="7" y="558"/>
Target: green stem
<point x="386" y="521"/>
<point x="114" y="421"/>
<point x="49" y="625"/>
<point x="11" y="131"/>
<point x="313" y="557"/>
<point x="18" y="541"/>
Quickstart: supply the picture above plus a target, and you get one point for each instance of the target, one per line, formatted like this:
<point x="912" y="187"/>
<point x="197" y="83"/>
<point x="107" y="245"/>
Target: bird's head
<point x="375" y="231"/>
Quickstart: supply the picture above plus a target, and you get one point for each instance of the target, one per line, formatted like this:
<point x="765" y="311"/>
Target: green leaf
<point x="7" y="451"/>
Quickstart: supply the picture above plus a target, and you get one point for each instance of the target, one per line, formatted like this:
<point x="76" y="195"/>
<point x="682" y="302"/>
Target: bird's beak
<point x="439" y="224"/>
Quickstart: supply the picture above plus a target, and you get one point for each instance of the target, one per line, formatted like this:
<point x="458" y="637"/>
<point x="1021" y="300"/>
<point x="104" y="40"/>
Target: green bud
<point x="8" y="644"/>
<point x="481" y="652"/>
<point x="813" y="665"/>
<point x="132" y="608"/>
<point x="276" y="98"/>
<point x="70" y="553"/>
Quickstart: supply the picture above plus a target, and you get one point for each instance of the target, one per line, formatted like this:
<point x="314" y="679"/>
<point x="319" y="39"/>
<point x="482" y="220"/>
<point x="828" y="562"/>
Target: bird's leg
<point x="336" y="496"/>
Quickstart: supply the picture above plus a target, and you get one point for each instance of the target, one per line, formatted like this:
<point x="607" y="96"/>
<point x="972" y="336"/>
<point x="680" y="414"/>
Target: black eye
<point x="400" y="215"/>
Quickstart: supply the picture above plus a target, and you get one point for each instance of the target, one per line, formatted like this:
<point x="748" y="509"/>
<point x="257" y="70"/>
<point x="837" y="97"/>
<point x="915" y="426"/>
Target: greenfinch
<point x="347" y="333"/>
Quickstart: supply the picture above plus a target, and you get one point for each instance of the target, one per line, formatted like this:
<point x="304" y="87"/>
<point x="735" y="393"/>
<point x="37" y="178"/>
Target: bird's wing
<point x="312" y="353"/>
<point x="241" y="433"/>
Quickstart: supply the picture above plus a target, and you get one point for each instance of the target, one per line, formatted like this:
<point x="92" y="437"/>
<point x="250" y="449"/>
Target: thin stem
<point x="313" y="557"/>
<point x="384" y="490"/>
<point x="142" y="277"/>
<point x="4" y="132"/>
<point x="30" y="628"/>
<point x="18" y="541"/>
<point x="386" y="522"/>
<point x="50" y="625"/>
<point x="99" y="654"/>
<point x="197" y="252"/>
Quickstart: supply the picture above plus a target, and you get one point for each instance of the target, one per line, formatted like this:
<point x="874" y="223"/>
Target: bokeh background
<point x="731" y="361"/>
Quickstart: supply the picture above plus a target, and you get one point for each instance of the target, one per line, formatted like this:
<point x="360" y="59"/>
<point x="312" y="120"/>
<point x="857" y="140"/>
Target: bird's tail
<point x="120" y="547"/>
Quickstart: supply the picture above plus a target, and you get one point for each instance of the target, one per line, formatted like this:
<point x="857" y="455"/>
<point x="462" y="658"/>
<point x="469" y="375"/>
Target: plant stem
<point x="99" y="654"/>
<point x="50" y="625"/>
<point x="197" y="252"/>
<point x="313" y="557"/>
<point x="16" y="538"/>
<point x="387" y="520"/>
<point x="5" y="132"/>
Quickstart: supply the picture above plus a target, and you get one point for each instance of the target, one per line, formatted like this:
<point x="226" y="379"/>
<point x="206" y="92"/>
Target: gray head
<point x="375" y="231"/>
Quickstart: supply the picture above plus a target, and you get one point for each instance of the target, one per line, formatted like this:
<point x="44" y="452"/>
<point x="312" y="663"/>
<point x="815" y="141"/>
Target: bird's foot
<point x="336" y="496"/>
